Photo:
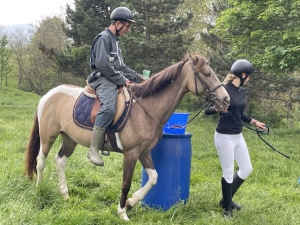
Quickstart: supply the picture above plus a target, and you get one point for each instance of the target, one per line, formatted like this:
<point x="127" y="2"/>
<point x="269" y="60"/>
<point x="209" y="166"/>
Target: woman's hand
<point x="258" y="124"/>
<point x="222" y="110"/>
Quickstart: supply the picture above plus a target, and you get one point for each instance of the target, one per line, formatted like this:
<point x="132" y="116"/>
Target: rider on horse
<point x="109" y="73"/>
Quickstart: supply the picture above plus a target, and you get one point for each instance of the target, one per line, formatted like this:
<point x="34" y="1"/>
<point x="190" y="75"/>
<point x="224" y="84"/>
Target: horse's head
<point x="205" y="79"/>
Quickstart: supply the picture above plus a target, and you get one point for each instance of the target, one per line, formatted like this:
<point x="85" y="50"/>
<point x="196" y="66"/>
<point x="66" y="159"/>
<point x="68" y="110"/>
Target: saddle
<point x="87" y="106"/>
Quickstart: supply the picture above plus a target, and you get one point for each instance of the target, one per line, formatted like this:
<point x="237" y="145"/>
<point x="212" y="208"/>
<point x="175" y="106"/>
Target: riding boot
<point x="227" y="197"/>
<point x="237" y="182"/>
<point x="96" y="143"/>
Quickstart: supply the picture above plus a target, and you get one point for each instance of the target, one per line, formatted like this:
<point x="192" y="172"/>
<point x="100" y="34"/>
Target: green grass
<point x="271" y="194"/>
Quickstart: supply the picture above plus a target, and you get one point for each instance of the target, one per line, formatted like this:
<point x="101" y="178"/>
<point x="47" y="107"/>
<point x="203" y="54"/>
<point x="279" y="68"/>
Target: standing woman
<point x="228" y="137"/>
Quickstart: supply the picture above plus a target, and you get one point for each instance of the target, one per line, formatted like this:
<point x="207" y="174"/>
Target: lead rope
<point x="259" y="132"/>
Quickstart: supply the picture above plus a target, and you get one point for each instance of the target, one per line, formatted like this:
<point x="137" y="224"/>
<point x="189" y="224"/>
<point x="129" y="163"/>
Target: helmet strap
<point x="243" y="79"/>
<point x="117" y="30"/>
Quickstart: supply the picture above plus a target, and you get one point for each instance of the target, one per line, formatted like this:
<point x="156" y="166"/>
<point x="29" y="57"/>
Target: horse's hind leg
<point x="46" y="144"/>
<point x="147" y="163"/>
<point x="61" y="162"/>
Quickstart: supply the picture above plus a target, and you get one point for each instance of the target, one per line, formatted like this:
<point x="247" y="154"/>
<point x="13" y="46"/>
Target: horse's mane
<point x="165" y="77"/>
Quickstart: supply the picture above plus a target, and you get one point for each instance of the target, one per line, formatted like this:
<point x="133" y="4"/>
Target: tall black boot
<point x="237" y="182"/>
<point x="227" y="197"/>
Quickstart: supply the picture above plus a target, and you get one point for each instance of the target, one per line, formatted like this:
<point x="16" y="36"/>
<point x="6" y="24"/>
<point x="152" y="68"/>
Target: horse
<point x="155" y="101"/>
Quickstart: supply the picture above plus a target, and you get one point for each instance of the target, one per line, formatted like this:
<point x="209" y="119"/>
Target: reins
<point x="207" y="104"/>
<point x="259" y="132"/>
<point x="208" y="99"/>
<point x="137" y="100"/>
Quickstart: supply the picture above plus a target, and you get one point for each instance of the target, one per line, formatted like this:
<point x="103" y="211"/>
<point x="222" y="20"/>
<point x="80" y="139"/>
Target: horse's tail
<point x="32" y="150"/>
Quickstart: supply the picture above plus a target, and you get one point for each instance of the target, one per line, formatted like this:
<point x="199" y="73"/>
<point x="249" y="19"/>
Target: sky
<point x="14" y="12"/>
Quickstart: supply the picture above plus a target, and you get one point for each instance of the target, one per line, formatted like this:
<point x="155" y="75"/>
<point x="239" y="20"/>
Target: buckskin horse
<point x="155" y="101"/>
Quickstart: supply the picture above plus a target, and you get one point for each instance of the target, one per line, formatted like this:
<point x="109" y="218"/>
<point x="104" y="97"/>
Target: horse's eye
<point x="207" y="74"/>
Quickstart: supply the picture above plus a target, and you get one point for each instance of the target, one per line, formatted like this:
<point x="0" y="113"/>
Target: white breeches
<point x="232" y="147"/>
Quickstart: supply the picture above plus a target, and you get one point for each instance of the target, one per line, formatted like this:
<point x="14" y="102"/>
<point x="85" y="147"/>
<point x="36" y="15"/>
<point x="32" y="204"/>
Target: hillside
<point x="12" y="28"/>
<point x="17" y="98"/>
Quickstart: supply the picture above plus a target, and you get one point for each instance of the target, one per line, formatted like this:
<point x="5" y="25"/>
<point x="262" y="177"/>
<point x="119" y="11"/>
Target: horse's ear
<point x="191" y="57"/>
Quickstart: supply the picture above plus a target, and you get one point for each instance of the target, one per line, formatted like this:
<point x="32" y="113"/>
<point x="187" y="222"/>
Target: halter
<point x="210" y="93"/>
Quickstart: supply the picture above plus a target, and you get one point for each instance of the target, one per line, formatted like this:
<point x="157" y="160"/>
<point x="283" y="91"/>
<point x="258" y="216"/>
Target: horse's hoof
<point x="122" y="213"/>
<point x="129" y="204"/>
<point x="66" y="196"/>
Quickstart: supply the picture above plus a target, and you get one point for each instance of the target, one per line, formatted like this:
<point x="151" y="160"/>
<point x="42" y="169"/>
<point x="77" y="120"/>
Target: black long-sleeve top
<point x="232" y="121"/>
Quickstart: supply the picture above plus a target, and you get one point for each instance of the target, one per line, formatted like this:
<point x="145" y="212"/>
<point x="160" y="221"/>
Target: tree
<point x="87" y="19"/>
<point x="265" y="32"/>
<point x="156" y="41"/>
<point x="5" y="56"/>
<point x="74" y="60"/>
<point x="215" y="48"/>
<point x="34" y="55"/>
<point x="204" y="14"/>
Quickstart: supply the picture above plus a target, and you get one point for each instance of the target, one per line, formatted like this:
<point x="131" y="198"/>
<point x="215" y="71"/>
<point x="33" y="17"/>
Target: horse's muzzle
<point x="222" y="105"/>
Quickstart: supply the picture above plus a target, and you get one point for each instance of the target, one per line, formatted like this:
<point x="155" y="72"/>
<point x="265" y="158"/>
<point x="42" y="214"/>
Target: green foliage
<point x="34" y="56"/>
<point x="270" y="113"/>
<point x="74" y="60"/>
<point x="5" y="55"/>
<point x="156" y="41"/>
<point x="265" y="32"/>
<point x="257" y="31"/>
<point x="191" y="103"/>
<point x="88" y="19"/>
<point x="216" y="48"/>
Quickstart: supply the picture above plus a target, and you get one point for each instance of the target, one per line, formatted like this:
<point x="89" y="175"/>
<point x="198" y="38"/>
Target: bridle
<point x="210" y="93"/>
<point x="211" y="96"/>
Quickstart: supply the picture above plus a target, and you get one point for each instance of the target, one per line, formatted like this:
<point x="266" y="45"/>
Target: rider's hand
<point x="127" y="83"/>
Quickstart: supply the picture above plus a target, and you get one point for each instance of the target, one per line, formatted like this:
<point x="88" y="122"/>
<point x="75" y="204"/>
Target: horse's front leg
<point x="130" y="159"/>
<point x="147" y="163"/>
<point x="61" y="163"/>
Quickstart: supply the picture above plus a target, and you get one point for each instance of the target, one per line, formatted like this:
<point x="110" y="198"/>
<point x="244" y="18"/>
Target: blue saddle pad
<point x="82" y="111"/>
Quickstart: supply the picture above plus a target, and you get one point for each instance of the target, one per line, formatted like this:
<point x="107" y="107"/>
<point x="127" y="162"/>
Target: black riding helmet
<point x="122" y="13"/>
<point x="242" y="66"/>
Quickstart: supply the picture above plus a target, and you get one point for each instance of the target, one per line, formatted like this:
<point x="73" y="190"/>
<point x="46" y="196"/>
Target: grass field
<point x="271" y="195"/>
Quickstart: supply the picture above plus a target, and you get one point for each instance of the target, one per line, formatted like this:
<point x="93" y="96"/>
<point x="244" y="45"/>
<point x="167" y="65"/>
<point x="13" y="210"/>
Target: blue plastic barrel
<point x="172" y="159"/>
<point x="176" y="123"/>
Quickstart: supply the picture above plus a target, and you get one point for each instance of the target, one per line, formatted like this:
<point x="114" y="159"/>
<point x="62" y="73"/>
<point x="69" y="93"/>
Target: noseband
<point x="210" y="92"/>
